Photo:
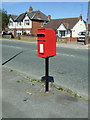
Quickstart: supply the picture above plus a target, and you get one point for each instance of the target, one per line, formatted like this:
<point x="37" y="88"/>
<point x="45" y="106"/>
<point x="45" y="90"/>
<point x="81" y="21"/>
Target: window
<point x="19" y="23"/>
<point x="62" y="33"/>
<point x="10" y="23"/>
<point x="45" y="23"/>
<point x="27" y="31"/>
<point x="19" y="32"/>
<point x="68" y="32"/>
<point x="27" y="22"/>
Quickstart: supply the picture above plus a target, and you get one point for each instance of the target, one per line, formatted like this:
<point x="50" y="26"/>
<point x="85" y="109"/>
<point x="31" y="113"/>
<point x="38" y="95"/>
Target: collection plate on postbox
<point x="46" y="39"/>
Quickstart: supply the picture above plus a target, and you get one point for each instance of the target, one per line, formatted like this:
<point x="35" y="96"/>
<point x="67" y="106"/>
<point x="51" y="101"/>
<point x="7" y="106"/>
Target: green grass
<point x="10" y="70"/>
<point x="67" y="91"/>
<point x="62" y="89"/>
<point x="33" y="84"/>
<point x="19" y="81"/>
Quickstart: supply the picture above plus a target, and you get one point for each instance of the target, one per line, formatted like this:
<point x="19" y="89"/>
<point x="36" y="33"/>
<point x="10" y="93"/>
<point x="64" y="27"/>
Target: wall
<point x="79" y="27"/>
<point x="7" y="36"/>
<point x="67" y="39"/>
<point x="27" y="26"/>
<point x="28" y="38"/>
<point x="17" y="26"/>
<point x="35" y="26"/>
<point x="62" y="28"/>
<point x="14" y="24"/>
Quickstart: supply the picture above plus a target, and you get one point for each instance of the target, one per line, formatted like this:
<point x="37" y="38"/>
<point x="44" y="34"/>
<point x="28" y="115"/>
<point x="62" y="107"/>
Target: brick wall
<point x="88" y="40"/>
<point x="67" y="39"/>
<point x="35" y="26"/>
<point x="27" y="38"/>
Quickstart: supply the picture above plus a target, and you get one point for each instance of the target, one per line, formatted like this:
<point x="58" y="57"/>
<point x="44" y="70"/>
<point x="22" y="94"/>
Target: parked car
<point x="82" y="37"/>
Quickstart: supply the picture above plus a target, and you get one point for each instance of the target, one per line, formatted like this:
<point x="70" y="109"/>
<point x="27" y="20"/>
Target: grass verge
<point x="61" y="89"/>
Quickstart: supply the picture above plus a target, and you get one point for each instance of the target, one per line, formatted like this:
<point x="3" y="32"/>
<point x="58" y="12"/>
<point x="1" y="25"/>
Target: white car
<point x="82" y="37"/>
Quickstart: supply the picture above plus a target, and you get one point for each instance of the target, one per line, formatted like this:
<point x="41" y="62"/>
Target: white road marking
<point x="65" y="55"/>
<point x="12" y="46"/>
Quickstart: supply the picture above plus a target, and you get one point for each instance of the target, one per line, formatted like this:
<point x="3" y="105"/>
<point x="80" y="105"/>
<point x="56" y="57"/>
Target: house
<point x="67" y="27"/>
<point x="27" y="22"/>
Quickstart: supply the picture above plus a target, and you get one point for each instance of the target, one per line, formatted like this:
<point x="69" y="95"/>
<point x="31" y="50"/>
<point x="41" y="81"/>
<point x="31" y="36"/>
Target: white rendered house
<point x="67" y="27"/>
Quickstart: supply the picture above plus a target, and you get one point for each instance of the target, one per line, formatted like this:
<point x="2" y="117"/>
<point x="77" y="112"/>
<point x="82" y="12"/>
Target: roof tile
<point x="32" y="15"/>
<point x="68" y="23"/>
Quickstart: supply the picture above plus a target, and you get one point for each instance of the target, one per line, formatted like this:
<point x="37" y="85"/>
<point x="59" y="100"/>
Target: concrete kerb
<point x="72" y="45"/>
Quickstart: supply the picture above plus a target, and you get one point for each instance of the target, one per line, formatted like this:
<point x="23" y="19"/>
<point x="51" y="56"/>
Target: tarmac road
<point x="69" y="68"/>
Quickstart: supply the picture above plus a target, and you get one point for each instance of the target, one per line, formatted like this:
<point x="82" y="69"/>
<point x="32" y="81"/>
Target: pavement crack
<point x="61" y="73"/>
<point x="12" y="58"/>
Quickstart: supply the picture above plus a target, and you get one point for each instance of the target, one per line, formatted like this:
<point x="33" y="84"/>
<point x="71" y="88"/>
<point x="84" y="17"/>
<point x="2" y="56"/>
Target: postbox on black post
<point x="46" y="45"/>
<point x="46" y="42"/>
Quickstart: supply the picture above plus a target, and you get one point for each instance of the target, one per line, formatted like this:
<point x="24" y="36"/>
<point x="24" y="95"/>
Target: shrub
<point x="24" y="33"/>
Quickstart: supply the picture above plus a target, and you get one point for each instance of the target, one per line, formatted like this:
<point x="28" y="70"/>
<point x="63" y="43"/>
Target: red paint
<point x="46" y="39"/>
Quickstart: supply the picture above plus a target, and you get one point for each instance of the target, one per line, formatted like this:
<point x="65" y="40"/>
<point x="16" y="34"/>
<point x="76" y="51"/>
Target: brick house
<point x="67" y="28"/>
<point x="27" y="22"/>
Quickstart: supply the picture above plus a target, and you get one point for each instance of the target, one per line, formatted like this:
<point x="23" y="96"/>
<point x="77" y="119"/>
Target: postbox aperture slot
<point x="41" y="40"/>
<point x="40" y="35"/>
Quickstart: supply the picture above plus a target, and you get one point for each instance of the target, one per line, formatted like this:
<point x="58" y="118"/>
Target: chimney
<point x="80" y="17"/>
<point x="30" y="9"/>
<point x="49" y="17"/>
<point x="38" y="15"/>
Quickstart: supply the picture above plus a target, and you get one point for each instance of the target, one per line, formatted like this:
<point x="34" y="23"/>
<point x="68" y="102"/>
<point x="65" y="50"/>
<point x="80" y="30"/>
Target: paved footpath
<point x="74" y="45"/>
<point x="26" y="98"/>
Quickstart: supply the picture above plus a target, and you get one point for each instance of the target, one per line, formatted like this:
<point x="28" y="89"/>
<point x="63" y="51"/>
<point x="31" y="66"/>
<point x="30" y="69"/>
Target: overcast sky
<point x="55" y="9"/>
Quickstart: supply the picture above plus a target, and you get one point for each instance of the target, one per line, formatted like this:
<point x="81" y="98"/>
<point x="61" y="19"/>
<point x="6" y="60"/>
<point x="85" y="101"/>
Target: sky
<point x="55" y="9"/>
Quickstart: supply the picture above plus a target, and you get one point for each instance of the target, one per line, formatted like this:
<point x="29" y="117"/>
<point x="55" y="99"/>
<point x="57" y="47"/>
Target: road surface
<point x="69" y="68"/>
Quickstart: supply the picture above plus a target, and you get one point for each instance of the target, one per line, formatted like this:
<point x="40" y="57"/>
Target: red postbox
<point x="46" y="39"/>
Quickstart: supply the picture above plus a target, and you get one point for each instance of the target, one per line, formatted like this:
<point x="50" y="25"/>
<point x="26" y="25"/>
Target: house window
<point x="19" y="32"/>
<point x="68" y="32"/>
<point x="62" y="33"/>
<point x="10" y="23"/>
<point x="27" y="22"/>
<point x="19" y="23"/>
<point x="45" y="23"/>
<point x="27" y="31"/>
<point x="10" y="31"/>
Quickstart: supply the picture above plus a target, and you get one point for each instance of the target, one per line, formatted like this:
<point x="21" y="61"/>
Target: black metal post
<point x="46" y="74"/>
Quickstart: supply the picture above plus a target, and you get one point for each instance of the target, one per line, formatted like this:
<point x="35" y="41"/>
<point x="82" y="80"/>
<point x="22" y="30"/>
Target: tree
<point x="4" y="19"/>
